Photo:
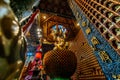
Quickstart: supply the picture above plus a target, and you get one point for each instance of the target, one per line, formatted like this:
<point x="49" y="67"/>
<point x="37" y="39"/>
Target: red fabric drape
<point x="30" y="20"/>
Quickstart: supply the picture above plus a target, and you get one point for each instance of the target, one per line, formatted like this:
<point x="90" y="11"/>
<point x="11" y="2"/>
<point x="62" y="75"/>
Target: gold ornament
<point x="88" y="30"/>
<point x="104" y="56"/>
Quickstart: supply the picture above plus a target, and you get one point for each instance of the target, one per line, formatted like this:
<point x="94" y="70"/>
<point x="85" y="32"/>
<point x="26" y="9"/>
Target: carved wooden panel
<point x="52" y="20"/>
<point x="88" y="66"/>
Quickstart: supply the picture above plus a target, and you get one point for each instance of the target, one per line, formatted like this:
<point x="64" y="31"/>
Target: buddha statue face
<point x="11" y="42"/>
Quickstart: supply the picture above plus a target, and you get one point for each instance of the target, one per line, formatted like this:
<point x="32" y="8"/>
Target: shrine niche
<point x="53" y="20"/>
<point x="59" y="34"/>
<point x="58" y="31"/>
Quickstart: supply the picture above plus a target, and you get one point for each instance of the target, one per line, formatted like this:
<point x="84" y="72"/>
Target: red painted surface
<point x="30" y="20"/>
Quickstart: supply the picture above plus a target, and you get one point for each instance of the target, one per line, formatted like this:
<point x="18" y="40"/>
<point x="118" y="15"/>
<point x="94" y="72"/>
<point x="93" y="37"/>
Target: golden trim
<point x="94" y="40"/>
<point x="104" y="56"/>
<point x="88" y="30"/>
<point x="84" y="23"/>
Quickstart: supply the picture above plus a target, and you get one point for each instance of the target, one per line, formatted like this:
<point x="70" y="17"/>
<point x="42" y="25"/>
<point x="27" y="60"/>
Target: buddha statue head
<point x="60" y="64"/>
<point x="12" y="42"/>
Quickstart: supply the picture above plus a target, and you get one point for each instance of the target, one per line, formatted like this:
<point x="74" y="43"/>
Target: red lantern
<point x="38" y="55"/>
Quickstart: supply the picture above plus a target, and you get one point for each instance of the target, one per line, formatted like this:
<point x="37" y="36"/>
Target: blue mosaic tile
<point x="109" y="68"/>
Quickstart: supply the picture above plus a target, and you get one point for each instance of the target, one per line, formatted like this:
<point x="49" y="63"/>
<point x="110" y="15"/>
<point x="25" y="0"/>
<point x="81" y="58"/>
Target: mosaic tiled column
<point x="101" y="42"/>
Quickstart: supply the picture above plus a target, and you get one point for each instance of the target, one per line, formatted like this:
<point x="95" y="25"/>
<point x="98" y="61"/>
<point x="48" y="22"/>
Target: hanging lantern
<point x="38" y="55"/>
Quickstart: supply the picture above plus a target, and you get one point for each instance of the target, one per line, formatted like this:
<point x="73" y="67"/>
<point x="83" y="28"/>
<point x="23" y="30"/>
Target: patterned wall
<point x="107" y="57"/>
<point x="87" y="64"/>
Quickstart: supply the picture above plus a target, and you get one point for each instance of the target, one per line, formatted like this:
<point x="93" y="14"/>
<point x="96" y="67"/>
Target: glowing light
<point x="19" y="62"/>
<point x="44" y="17"/>
<point x="39" y="36"/>
<point x="78" y="24"/>
<point x="29" y="54"/>
<point x="38" y="32"/>
<point x="38" y="55"/>
<point x="39" y="29"/>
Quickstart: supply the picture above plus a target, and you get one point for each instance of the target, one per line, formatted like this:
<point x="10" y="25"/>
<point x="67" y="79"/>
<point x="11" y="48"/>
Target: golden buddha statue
<point x="12" y="43"/>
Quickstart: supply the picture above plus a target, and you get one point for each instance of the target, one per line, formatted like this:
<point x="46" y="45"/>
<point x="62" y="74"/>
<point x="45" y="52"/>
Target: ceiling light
<point x="44" y="17"/>
<point x="78" y="24"/>
<point x="39" y="36"/>
<point x="39" y="29"/>
<point x="38" y="32"/>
